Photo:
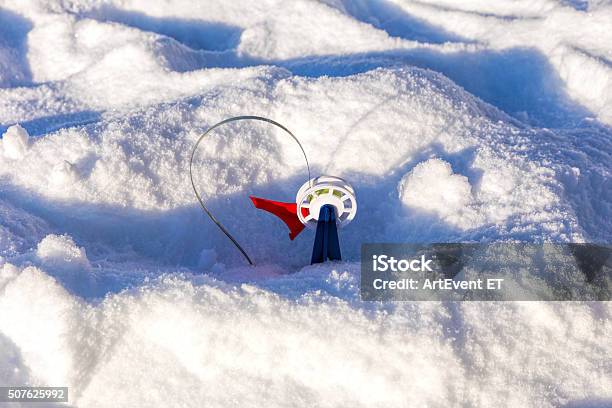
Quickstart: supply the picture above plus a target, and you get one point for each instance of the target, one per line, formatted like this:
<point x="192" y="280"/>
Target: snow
<point x="432" y="186"/>
<point x="61" y="251"/>
<point x="194" y="340"/>
<point x="476" y="122"/>
<point x="15" y="142"/>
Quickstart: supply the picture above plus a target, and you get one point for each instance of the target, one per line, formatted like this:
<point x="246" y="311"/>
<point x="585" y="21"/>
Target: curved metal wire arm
<point x="195" y="190"/>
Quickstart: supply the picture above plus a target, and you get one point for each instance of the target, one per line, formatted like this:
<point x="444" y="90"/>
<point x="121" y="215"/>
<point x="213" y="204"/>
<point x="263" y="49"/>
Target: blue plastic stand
<point x="326" y="245"/>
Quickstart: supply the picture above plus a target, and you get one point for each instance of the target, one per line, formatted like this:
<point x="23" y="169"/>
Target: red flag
<point x="285" y="211"/>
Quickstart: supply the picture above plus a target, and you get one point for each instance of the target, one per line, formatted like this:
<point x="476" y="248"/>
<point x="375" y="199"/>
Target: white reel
<point x="322" y="190"/>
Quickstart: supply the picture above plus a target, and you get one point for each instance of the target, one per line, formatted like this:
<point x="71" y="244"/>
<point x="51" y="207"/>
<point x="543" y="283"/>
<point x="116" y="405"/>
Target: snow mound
<point x="432" y="186"/>
<point x="60" y="251"/>
<point x="49" y="310"/>
<point x="68" y="262"/>
<point x="15" y="142"/>
<point x="282" y="38"/>
<point x="572" y="39"/>
<point x="137" y="162"/>
<point x="187" y="342"/>
<point x="64" y="174"/>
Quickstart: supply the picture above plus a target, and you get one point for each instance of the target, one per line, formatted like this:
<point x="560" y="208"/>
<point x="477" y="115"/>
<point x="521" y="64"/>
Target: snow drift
<point x="471" y="123"/>
<point x="213" y="342"/>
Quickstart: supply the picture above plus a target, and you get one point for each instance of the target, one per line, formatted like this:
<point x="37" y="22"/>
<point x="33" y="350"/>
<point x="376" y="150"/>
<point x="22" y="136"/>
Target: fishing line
<point x="195" y="190"/>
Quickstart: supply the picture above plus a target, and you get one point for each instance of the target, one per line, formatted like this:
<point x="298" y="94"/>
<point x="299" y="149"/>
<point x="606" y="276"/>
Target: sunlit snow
<point x="470" y="121"/>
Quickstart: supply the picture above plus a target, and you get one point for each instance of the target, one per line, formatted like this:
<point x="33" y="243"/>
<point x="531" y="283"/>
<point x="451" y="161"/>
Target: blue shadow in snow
<point x="14" y="34"/>
<point x="48" y="124"/>
<point x="520" y="81"/>
<point x="396" y="22"/>
<point x="196" y="34"/>
<point x="580" y="5"/>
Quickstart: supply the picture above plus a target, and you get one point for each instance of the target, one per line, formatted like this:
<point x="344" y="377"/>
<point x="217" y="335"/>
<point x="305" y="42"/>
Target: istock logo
<point x="485" y="272"/>
<point x="384" y="263"/>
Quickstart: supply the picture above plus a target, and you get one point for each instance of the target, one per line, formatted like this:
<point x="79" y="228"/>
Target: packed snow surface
<point x="468" y="121"/>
